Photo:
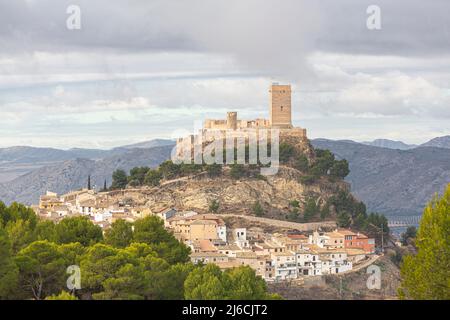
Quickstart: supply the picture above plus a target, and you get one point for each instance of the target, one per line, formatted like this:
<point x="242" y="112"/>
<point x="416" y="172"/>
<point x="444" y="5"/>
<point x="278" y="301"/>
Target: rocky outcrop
<point x="234" y="196"/>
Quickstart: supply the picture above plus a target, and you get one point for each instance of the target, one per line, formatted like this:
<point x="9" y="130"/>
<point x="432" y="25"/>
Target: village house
<point x="308" y="262"/>
<point x="49" y="201"/>
<point x="198" y="227"/>
<point x="356" y="240"/>
<point x="285" y="266"/>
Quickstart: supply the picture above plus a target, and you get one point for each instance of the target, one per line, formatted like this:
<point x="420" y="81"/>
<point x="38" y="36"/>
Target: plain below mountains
<point x="389" y="180"/>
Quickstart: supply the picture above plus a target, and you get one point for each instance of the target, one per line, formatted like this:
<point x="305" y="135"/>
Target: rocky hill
<point x="393" y="182"/>
<point x="197" y="192"/>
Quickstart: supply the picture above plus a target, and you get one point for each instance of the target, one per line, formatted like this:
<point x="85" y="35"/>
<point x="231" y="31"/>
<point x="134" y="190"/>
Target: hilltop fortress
<point x="279" y="125"/>
<point x="210" y="139"/>
<point x="280" y="111"/>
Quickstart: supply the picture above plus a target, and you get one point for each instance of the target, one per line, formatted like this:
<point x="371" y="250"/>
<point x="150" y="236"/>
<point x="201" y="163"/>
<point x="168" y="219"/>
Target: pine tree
<point x="426" y="275"/>
<point x="8" y="270"/>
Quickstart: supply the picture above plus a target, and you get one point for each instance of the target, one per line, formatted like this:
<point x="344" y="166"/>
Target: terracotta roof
<point x="206" y="245"/>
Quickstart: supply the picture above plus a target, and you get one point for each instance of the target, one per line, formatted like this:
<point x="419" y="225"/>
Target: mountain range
<point x="389" y="176"/>
<point x="390" y="144"/>
<point x="391" y="181"/>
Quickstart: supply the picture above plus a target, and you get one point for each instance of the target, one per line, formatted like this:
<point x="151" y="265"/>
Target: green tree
<point x="311" y="209"/>
<point x="302" y="163"/>
<point x="426" y="275"/>
<point x="286" y="151"/>
<point x="78" y="229"/>
<point x="21" y="233"/>
<point x="169" y="170"/>
<point x="72" y="252"/>
<point x="409" y="234"/>
<point x="152" y="178"/>
<point x="99" y="263"/>
<point x="120" y="234"/>
<point x="89" y="182"/>
<point x="137" y="175"/>
<point x="174" y="281"/>
<point x="344" y="219"/>
<point x="324" y="162"/>
<point x="128" y="283"/>
<point x="205" y="283"/>
<point x="243" y="284"/>
<point x="340" y="169"/>
<point x="257" y="209"/>
<point x="190" y="168"/>
<point x="64" y="295"/>
<point x="46" y="230"/>
<point x="150" y="230"/>
<point x="119" y="179"/>
<point x="41" y="269"/>
<point x="214" y="206"/>
<point x="237" y="171"/>
<point x="209" y="283"/>
<point x="294" y="203"/>
<point x="214" y="170"/>
<point x="293" y="214"/>
<point x="325" y="211"/>
<point x="8" y="270"/>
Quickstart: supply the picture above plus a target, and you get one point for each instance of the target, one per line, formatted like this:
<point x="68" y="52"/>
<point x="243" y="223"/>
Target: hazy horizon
<point x="117" y="144"/>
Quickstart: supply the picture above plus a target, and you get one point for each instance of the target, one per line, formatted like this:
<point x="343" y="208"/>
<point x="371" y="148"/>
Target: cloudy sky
<point x="142" y="69"/>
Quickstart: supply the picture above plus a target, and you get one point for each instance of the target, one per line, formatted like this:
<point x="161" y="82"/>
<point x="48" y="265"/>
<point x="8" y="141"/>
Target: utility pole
<point x="382" y="235"/>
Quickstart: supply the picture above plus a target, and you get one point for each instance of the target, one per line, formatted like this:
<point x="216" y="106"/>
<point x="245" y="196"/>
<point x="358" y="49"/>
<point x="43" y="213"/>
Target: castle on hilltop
<point x="280" y="111"/>
<point x="280" y="108"/>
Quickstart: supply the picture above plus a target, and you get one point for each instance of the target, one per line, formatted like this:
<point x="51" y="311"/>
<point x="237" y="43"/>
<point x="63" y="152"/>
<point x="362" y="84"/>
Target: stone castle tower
<point x="280" y="106"/>
<point x="232" y="120"/>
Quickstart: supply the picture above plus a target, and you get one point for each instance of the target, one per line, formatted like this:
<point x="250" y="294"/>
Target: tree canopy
<point x="426" y="275"/>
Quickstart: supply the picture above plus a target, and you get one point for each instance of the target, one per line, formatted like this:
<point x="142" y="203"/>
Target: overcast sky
<point x="144" y="69"/>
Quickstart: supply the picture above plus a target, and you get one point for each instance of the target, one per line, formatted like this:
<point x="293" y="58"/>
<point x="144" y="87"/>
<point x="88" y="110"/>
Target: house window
<point x="281" y="108"/>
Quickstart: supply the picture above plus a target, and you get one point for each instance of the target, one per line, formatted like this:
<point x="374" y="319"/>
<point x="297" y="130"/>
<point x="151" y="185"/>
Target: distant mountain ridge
<point x="20" y="160"/>
<point x="72" y="174"/>
<point x="390" y="144"/>
<point x="439" y="142"/>
<point x="393" y="182"/>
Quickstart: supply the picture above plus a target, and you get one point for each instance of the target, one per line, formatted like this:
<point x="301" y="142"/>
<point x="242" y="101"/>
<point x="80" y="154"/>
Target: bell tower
<point x="280" y="106"/>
